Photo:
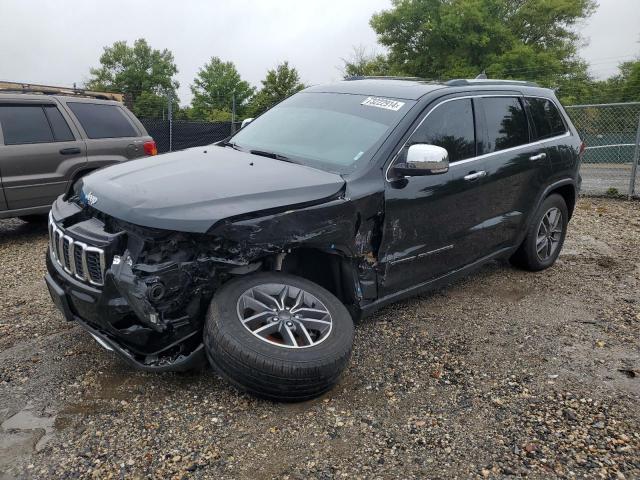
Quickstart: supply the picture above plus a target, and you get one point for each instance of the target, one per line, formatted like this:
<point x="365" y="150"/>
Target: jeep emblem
<point x="91" y="199"/>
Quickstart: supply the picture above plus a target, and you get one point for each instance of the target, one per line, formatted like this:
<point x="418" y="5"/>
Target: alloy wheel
<point x="549" y="234"/>
<point x="284" y="315"/>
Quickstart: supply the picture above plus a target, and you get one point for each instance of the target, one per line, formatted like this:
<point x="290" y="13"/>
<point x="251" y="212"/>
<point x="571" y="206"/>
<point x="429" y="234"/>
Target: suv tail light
<point x="150" y="148"/>
<point x="583" y="148"/>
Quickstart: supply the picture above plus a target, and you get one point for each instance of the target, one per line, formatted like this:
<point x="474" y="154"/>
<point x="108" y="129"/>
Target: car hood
<point x="193" y="189"/>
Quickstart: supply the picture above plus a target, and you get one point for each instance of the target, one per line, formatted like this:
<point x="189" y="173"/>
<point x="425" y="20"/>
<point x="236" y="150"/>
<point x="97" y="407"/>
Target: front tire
<point x="278" y="336"/>
<point x="545" y="237"/>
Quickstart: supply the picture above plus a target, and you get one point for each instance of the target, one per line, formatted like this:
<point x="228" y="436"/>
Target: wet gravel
<point x="506" y="373"/>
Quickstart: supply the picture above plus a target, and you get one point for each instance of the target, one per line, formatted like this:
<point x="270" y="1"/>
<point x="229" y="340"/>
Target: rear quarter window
<point x="22" y="124"/>
<point x="506" y="122"/>
<point x="102" y="120"/>
<point x="61" y="130"/>
<point x="547" y="120"/>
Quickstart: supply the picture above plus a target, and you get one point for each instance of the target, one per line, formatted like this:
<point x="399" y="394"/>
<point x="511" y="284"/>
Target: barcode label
<point x="385" y="103"/>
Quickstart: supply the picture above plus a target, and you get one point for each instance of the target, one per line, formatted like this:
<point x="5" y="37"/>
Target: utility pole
<point x="634" y="166"/>
<point x="170" y="118"/>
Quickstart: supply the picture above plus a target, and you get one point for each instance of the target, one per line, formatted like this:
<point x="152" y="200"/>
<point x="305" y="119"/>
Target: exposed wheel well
<point x="329" y="270"/>
<point x="569" y="194"/>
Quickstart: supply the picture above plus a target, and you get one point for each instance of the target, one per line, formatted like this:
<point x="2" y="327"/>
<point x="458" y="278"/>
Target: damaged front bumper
<point x="150" y="313"/>
<point x="106" y="320"/>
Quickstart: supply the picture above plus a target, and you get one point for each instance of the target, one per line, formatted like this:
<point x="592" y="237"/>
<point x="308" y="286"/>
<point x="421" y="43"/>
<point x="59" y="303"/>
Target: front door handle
<point x="540" y="156"/>
<point x="475" y="175"/>
<point x="70" y="151"/>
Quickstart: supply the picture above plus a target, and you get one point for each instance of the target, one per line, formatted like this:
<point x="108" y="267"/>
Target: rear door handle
<point x="475" y="175"/>
<point x="70" y="151"/>
<point x="540" y="156"/>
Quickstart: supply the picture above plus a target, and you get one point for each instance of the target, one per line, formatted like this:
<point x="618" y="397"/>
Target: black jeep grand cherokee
<point x="259" y="252"/>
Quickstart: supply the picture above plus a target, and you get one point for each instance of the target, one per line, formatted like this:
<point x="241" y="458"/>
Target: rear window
<point x="506" y="123"/>
<point x="102" y="120"/>
<point x="547" y="121"/>
<point x="61" y="130"/>
<point x="24" y="124"/>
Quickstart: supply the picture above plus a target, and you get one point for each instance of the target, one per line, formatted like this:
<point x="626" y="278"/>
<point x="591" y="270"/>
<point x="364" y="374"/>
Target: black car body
<point x="138" y="252"/>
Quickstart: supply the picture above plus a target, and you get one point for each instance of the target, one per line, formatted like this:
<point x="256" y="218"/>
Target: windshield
<point x="332" y="131"/>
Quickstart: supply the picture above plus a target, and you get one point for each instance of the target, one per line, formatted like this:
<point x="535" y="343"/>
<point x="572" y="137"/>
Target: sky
<point x="56" y="42"/>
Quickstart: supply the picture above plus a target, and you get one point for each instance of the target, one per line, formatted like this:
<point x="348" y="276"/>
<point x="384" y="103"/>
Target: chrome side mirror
<point x="423" y="159"/>
<point x="246" y="122"/>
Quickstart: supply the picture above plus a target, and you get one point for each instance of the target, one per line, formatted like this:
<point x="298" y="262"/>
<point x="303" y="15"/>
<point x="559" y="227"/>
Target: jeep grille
<point x="84" y="262"/>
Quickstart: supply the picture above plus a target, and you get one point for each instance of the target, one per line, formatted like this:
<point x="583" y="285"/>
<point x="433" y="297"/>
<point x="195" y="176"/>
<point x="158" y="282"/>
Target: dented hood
<point x="193" y="189"/>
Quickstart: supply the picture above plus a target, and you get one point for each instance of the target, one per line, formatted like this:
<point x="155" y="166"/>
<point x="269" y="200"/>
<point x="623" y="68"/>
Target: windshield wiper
<point x="232" y="145"/>
<point x="275" y="156"/>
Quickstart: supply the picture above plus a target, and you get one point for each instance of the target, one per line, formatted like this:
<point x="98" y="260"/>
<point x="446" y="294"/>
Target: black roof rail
<point x="384" y="77"/>
<point x="482" y="81"/>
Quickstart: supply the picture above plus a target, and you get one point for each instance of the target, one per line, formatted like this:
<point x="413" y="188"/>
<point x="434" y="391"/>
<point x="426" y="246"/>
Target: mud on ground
<point x="506" y="373"/>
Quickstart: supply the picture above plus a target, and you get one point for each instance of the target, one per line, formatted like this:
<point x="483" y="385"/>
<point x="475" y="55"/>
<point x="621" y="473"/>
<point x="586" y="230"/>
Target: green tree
<point x="135" y="70"/>
<point x="361" y="63"/>
<point x="523" y="39"/>
<point x="627" y="82"/>
<point x="280" y="83"/>
<point x="149" y="104"/>
<point x="214" y="88"/>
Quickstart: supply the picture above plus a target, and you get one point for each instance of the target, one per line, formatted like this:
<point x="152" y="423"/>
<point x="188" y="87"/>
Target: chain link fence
<point x="612" y="135"/>
<point x="173" y="135"/>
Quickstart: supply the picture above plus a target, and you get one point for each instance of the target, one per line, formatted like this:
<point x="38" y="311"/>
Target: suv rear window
<point x="24" y="124"/>
<point x="506" y="123"/>
<point x="102" y="120"/>
<point x="61" y="130"/>
<point x="547" y="120"/>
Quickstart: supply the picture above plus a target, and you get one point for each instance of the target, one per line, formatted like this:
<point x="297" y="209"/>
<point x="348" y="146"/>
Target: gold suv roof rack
<point x="17" y="87"/>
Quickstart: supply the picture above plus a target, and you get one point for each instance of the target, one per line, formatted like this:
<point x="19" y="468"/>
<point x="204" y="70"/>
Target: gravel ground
<point x="506" y="373"/>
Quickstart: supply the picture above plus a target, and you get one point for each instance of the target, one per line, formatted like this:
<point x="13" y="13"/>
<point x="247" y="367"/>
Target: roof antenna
<point x="482" y="76"/>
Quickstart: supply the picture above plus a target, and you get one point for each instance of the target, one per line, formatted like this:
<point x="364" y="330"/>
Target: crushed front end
<point x="140" y="292"/>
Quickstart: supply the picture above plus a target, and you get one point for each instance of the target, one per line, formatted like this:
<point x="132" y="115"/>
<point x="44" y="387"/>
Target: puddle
<point x="26" y="420"/>
<point x="24" y="433"/>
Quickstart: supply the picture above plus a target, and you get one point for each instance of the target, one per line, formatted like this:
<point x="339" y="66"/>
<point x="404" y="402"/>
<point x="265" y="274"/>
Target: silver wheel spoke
<point x="543" y="245"/>
<point x="299" y="301"/>
<point x="305" y="333"/>
<point x="257" y="316"/>
<point x="266" y="329"/>
<point x="264" y="298"/>
<point x="264" y="311"/>
<point x="254" y="304"/>
<point x="311" y="311"/>
<point x="284" y="293"/>
<point x="289" y="339"/>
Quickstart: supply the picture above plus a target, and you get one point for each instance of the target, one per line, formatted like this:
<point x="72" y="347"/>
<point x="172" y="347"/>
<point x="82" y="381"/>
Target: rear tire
<point x="272" y="363"/>
<point x="545" y="237"/>
<point x="42" y="218"/>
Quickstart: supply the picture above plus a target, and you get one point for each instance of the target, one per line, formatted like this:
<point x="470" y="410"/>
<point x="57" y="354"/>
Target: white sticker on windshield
<point x="385" y="103"/>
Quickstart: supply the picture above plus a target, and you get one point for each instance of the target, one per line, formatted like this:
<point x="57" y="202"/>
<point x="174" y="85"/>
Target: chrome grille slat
<point x="72" y="255"/>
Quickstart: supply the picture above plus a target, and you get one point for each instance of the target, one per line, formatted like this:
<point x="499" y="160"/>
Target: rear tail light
<point x="583" y="148"/>
<point x="150" y="148"/>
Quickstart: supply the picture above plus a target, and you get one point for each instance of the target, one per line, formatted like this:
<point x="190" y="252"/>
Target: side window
<point x="24" y="124"/>
<point x="506" y="123"/>
<point x="547" y="120"/>
<point x="61" y="130"/>
<point x="102" y="120"/>
<point x="449" y="126"/>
